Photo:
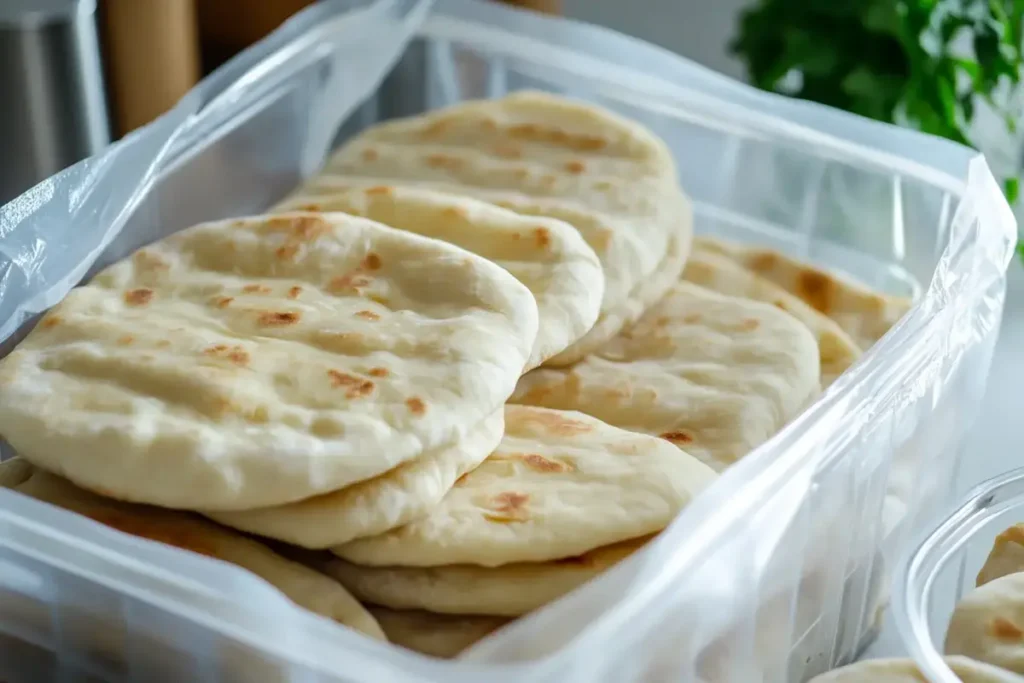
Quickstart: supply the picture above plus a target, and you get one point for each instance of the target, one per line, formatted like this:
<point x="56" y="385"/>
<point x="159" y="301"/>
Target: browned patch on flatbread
<point x="555" y="136"/>
<point x="692" y="318"/>
<point x="348" y="283"/>
<point x="355" y="387"/>
<point x="287" y="252"/>
<point x="311" y="207"/>
<point x="234" y="354"/>
<point x="377" y="298"/>
<point x="51" y="321"/>
<point x="489" y="124"/>
<point x="222" y="301"/>
<point x="508" y="151"/>
<point x="367" y="315"/>
<point x="556" y="424"/>
<point x="1004" y="629"/>
<point x="416" y="405"/>
<point x="293" y="292"/>
<point x="278" y="318"/>
<point x="444" y="161"/>
<point x="749" y="324"/>
<point x="455" y="213"/>
<point x="435" y="129"/>
<point x="538" y="462"/>
<point x="302" y="228"/>
<point x="461" y="481"/>
<point x="163" y="531"/>
<point x="149" y="261"/>
<point x="575" y="167"/>
<point x="763" y="261"/>
<point x="542" y="236"/>
<point x="378" y="372"/>
<point x="372" y="261"/>
<point x="138" y="297"/>
<point x="378" y="190"/>
<point x="1015" y="534"/>
<point x="370" y="154"/>
<point x="677" y="437"/>
<point x="256" y="289"/>
<point x="508" y="506"/>
<point x="125" y="340"/>
<point x="816" y="289"/>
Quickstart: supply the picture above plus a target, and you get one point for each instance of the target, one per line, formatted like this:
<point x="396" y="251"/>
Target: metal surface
<point x="53" y="112"/>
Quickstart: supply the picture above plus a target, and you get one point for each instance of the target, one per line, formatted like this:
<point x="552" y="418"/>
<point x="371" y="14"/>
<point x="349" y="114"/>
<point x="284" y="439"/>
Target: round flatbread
<point x="437" y="635"/>
<point x="1006" y="556"/>
<point x="511" y="590"/>
<point x="720" y="274"/>
<point x="302" y="585"/>
<point x="545" y="254"/>
<point x="906" y="671"/>
<point x="865" y="315"/>
<point x="558" y="485"/>
<point x="542" y="155"/>
<point x="409" y="492"/>
<point x="988" y="624"/>
<point x="715" y="375"/>
<point x="260" y="361"/>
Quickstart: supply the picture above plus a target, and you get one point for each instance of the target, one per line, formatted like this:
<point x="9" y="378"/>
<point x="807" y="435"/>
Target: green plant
<point x="893" y="60"/>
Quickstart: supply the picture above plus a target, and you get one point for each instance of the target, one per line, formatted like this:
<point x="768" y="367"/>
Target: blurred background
<point x="77" y="74"/>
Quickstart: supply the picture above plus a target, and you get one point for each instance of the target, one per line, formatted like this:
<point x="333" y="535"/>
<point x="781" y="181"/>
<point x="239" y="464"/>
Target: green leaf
<point x="1020" y="250"/>
<point x="1011" y="187"/>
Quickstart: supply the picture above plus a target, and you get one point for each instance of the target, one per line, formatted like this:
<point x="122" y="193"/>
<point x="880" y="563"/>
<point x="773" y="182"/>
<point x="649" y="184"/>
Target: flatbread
<point x="541" y="155"/>
<point x="409" y="492"/>
<point x="558" y="485"/>
<point x="988" y="624"/>
<point x="711" y="270"/>
<point x="511" y="590"/>
<point x="437" y="635"/>
<point x="260" y="361"/>
<point x="906" y="671"/>
<point x="1006" y="556"/>
<point x="865" y="315"/>
<point x="715" y="375"/>
<point x="545" y="254"/>
<point x="303" y="586"/>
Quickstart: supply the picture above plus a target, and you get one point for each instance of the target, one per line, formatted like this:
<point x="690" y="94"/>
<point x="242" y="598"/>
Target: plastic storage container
<point x="776" y="573"/>
<point x="944" y="567"/>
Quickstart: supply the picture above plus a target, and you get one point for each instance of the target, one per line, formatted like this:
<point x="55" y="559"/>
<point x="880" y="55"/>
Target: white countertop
<point x="995" y="442"/>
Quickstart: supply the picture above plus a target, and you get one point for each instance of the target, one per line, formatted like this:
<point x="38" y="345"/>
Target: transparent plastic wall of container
<point x="944" y="566"/>
<point x="777" y="572"/>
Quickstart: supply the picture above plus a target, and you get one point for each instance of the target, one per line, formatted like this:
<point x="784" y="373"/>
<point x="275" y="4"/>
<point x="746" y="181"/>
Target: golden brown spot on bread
<point x="436" y="128"/>
<point x="443" y="161"/>
<point x="461" y="481"/>
<point x="582" y="143"/>
<point x="367" y="315"/>
<point x="749" y="325"/>
<point x="138" y="297"/>
<point x="278" y="318"/>
<point x="169" y="531"/>
<point x="355" y="387"/>
<point x="372" y="261"/>
<point x="509" y="506"/>
<point x="234" y="354"/>
<point x="1015" y="534"/>
<point x="542" y="236"/>
<point x="125" y="340"/>
<point x="348" y="283"/>
<point x="311" y="207"/>
<point x="677" y="437"/>
<point x="222" y="301"/>
<point x="489" y="124"/>
<point x="287" y="252"/>
<point x="256" y="289"/>
<point x="378" y="372"/>
<point x="302" y="228"/>
<point x="378" y="189"/>
<point x="51" y="321"/>
<point x="763" y="261"/>
<point x="293" y="292"/>
<point x="538" y="462"/>
<point x="416" y="405"/>
<point x="554" y="423"/>
<point x="377" y="298"/>
<point x="1004" y="629"/>
<point x="370" y="154"/>
<point x="455" y="213"/>
<point x="816" y="289"/>
<point x="145" y="259"/>
<point x="575" y="167"/>
<point x="508" y="151"/>
<point x="692" y="318"/>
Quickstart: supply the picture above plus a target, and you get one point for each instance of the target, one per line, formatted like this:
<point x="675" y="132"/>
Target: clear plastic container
<point x="776" y="573"/>
<point x="944" y="566"/>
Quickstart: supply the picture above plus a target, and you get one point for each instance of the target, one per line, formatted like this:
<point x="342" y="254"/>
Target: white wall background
<point x="698" y="29"/>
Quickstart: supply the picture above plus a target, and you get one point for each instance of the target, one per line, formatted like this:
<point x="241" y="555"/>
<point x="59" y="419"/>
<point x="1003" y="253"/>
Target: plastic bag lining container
<point x="776" y="573"/>
<point x="944" y="565"/>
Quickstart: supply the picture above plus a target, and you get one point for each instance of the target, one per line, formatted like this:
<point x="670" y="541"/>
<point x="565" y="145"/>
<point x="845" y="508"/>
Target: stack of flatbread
<point x="474" y="362"/>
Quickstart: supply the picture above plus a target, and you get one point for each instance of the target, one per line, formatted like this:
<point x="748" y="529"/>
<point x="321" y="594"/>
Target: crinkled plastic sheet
<point x="774" y="573"/>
